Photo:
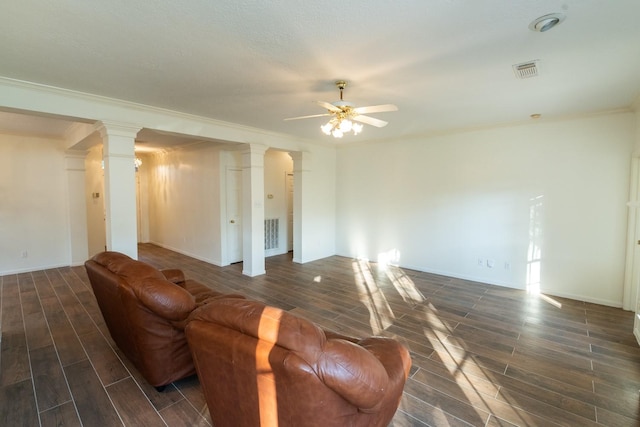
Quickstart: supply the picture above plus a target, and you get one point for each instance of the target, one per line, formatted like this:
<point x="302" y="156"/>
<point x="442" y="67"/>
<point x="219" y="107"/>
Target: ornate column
<point x="301" y="169"/>
<point x="120" y="186"/>
<point x="76" y="201"/>
<point x="253" y="210"/>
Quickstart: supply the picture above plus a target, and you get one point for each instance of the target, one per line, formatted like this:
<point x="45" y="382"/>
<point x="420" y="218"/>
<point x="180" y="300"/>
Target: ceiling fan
<point x="343" y="115"/>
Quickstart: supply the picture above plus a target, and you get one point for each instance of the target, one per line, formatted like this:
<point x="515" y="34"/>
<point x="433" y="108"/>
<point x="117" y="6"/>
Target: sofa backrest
<point x="105" y="285"/>
<point x="144" y="313"/>
<point x="148" y="285"/>
<point x="253" y="359"/>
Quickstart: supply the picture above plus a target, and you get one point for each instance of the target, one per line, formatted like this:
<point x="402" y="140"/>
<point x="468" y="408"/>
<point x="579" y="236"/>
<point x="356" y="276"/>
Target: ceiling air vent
<point x="526" y="69"/>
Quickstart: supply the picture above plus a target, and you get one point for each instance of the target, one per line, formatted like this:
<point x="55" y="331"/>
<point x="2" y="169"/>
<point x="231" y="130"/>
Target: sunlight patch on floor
<point x="380" y="314"/>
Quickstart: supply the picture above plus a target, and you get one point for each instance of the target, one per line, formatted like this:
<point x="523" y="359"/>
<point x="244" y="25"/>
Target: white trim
<point x="23" y="96"/>
<point x="215" y="262"/>
<point x="630" y="292"/>
<point x="38" y="268"/>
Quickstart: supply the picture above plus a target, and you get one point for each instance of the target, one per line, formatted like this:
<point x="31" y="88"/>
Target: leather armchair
<point x="261" y="366"/>
<point x="145" y="311"/>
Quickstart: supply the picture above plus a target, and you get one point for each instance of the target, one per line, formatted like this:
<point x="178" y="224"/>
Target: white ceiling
<point x="447" y="64"/>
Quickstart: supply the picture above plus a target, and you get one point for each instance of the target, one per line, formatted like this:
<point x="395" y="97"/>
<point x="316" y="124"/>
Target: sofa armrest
<point x="393" y="355"/>
<point x="174" y="275"/>
<point x="353" y="372"/>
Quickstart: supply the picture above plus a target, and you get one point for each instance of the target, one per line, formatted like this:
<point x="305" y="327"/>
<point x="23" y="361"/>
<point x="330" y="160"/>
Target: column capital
<point x="253" y="155"/>
<point x="125" y="130"/>
<point x="255" y="149"/>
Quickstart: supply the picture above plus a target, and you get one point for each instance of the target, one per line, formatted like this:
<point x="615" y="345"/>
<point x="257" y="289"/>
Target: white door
<point x="635" y="277"/>
<point x="234" y="215"/>
<point x="289" y="193"/>
<point x="631" y="295"/>
<point x="636" y="324"/>
<point x="138" y="209"/>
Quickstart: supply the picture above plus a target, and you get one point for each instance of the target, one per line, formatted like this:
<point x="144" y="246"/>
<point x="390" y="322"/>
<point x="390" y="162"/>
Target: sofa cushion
<point x="165" y="298"/>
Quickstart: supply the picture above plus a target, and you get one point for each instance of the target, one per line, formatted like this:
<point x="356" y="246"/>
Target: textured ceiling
<point x="447" y="64"/>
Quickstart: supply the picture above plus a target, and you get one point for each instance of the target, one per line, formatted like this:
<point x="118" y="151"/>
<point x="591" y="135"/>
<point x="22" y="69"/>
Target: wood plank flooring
<point x="482" y="355"/>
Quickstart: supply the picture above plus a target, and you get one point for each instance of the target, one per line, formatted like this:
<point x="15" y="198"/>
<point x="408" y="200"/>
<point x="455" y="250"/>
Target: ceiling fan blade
<point x="308" y="117"/>
<point x="376" y="109"/>
<point x="329" y="106"/>
<point x="370" y="121"/>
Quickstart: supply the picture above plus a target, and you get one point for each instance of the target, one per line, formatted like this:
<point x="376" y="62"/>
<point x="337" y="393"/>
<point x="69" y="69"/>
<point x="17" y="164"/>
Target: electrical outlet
<point x="507" y="265"/>
<point x="25" y="254"/>
<point x="480" y="262"/>
<point x="491" y="263"/>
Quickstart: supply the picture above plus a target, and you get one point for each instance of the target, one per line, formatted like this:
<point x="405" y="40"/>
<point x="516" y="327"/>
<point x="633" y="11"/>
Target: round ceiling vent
<point x="546" y="22"/>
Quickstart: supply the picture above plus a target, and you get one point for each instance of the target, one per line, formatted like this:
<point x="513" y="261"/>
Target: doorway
<point x="234" y="215"/>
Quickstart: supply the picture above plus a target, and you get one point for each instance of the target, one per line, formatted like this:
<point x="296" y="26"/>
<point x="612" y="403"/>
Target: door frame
<point x="632" y="263"/>
<point x="228" y="258"/>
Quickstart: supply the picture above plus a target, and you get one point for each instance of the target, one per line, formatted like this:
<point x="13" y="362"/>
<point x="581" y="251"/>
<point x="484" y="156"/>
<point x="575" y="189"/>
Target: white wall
<point x="142" y="197"/>
<point x="318" y="205"/>
<point x="33" y="204"/>
<point x="443" y="203"/>
<point x="186" y="200"/>
<point x="94" y="183"/>
<point x="184" y="195"/>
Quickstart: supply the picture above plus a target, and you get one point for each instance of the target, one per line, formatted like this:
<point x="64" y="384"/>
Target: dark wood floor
<point x="482" y="355"/>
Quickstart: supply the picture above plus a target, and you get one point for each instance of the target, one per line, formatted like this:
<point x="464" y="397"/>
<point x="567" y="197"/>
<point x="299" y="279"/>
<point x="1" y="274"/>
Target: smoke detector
<point x="526" y="70"/>
<point x="546" y="22"/>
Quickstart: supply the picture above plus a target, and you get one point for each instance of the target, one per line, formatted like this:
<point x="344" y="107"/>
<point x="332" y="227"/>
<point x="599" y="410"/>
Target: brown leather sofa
<point x="261" y="366"/>
<point x="146" y="310"/>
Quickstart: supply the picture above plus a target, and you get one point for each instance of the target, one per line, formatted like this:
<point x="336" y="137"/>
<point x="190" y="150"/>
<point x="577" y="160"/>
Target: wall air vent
<point x="526" y="69"/>
<point x="271" y="234"/>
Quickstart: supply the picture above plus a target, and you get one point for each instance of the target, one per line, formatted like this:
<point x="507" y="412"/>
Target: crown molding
<point x="151" y="117"/>
<point x="495" y="126"/>
<point x="120" y="103"/>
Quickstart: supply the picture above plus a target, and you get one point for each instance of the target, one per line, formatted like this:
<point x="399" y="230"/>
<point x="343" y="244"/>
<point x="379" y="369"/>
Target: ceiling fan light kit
<point x="338" y="127"/>
<point x="345" y="117"/>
